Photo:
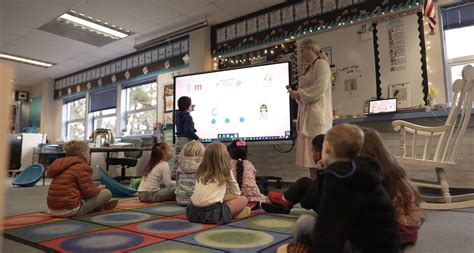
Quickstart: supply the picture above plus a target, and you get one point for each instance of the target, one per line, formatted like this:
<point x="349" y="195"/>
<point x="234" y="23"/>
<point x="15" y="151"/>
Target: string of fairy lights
<point x="241" y="59"/>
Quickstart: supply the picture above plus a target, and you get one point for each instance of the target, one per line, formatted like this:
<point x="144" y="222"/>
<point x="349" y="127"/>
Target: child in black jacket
<point x="352" y="205"/>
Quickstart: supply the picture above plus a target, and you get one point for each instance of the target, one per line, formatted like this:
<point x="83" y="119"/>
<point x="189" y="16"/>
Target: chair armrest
<point x="422" y="130"/>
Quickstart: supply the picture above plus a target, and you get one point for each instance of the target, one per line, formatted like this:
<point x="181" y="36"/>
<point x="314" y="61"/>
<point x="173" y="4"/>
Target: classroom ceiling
<point x="20" y="20"/>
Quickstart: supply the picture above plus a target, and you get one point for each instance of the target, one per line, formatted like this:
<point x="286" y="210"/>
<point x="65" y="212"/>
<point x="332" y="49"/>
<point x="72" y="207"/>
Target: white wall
<point x="412" y="72"/>
<point x="354" y="59"/>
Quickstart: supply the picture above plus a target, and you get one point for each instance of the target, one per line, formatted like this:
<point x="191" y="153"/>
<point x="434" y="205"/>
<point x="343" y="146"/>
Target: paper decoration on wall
<point x="275" y="18"/>
<point x="251" y="25"/>
<point x="398" y="57"/>
<point x="329" y="5"/>
<point x="241" y="29"/>
<point x="126" y="67"/>
<point x="262" y="23"/>
<point x="314" y="7"/>
<point x="287" y="15"/>
<point x="230" y="32"/>
<point x="401" y="93"/>
<point x="169" y="103"/>
<point x="301" y="12"/>
<point x="168" y="118"/>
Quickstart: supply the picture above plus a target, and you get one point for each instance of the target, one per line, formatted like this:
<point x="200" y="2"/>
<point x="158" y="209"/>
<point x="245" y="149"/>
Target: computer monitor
<point x="383" y="106"/>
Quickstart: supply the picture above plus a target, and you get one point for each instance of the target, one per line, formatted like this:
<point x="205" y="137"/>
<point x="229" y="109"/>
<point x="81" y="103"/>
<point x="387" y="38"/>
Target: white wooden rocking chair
<point x="448" y="138"/>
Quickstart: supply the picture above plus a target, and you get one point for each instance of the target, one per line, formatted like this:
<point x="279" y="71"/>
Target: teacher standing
<point x="314" y="103"/>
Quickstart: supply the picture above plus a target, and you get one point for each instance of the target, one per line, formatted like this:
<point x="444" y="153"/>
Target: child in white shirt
<point x="156" y="184"/>
<point x="217" y="197"/>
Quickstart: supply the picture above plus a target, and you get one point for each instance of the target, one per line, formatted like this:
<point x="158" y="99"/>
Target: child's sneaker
<point x="274" y="208"/>
<point x="244" y="213"/>
<point x="277" y="198"/>
<point x="109" y="205"/>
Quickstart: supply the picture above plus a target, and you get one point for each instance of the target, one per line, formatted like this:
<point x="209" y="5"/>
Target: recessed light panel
<point x="78" y="26"/>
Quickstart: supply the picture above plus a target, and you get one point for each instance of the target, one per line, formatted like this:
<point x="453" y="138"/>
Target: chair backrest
<point x="136" y="143"/>
<point x="450" y="142"/>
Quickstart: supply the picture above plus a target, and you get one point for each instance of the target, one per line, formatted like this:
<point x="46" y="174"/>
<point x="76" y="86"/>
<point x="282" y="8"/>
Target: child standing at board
<point x="156" y="174"/>
<point x="188" y="162"/>
<point x="216" y="198"/>
<point x="245" y="173"/>
<point x="184" y="124"/>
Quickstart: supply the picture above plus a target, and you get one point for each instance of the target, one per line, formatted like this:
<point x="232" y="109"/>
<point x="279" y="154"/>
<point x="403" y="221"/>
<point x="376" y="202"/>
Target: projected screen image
<point x="248" y="103"/>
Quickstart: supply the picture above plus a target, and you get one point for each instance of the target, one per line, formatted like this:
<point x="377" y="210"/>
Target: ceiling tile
<point x="33" y="13"/>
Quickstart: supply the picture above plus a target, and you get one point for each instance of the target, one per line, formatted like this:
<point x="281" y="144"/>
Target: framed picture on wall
<point x="168" y="118"/>
<point x="154" y="55"/>
<point x="169" y="103"/>
<point x="176" y="48"/>
<point x="169" y="51"/>
<point x="328" y="52"/>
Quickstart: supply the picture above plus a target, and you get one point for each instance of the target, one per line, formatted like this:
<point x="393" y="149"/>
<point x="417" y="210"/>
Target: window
<point x="104" y="119"/>
<point x="458" y="31"/>
<point x="75" y="119"/>
<point x="102" y="108"/>
<point x="140" y="109"/>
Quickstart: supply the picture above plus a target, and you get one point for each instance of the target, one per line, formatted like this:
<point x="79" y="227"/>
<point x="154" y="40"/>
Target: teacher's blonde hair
<point x="313" y="45"/>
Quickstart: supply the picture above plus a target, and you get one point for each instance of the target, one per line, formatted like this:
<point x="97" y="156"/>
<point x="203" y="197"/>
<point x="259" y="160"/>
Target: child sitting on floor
<point x="188" y="162"/>
<point x="216" y="198"/>
<point x="404" y="195"/>
<point x="72" y="192"/>
<point x="352" y="204"/>
<point x="245" y="173"/>
<point x="302" y="191"/>
<point x="156" y="184"/>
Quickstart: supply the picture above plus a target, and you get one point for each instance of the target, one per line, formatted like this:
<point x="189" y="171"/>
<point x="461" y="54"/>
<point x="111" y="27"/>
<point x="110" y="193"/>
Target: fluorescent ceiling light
<point x="92" y="25"/>
<point x="25" y="60"/>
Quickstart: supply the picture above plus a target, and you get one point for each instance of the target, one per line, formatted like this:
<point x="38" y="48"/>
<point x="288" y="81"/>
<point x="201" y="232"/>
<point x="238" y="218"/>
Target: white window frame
<point x="126" y="112"/>
<point x="449" y="63"/>
<point x="66" y="121"/>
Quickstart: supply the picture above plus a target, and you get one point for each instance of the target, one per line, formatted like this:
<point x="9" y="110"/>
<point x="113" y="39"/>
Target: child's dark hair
<point x="155" y="157"/>
<point x="184" y="103"/>
<point x="317" y="143"/>
<point x="238" y="151"/>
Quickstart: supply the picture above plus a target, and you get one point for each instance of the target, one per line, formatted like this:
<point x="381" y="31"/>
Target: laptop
<point x="382" y="106"/>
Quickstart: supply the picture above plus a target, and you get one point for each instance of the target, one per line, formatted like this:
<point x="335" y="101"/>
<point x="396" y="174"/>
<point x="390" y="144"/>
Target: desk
<point x="109" y="150"/>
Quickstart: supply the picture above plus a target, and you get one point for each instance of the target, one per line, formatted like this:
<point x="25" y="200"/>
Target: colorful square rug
<point x="140" y="227"/>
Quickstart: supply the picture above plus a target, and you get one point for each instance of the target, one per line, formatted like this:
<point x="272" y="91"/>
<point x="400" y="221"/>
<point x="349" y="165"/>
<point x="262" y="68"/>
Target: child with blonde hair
<point x="217" y="197"/>
<point x="188" y="162"/>
<point x="156" y="184"/>
<point x="72" y="192"/>
<point x="245" y="173"/>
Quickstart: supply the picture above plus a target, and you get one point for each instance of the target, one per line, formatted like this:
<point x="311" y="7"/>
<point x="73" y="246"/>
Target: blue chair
<point x="117" y="189"/>
<point x="29" y="176"/>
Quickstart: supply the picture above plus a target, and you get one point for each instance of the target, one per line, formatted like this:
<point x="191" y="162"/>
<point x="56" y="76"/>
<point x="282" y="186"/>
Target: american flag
<point x="429" y="9"/>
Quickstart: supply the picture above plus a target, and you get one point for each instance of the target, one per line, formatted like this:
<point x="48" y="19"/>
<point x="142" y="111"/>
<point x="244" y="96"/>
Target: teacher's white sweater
<point x="318" y="100"/>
